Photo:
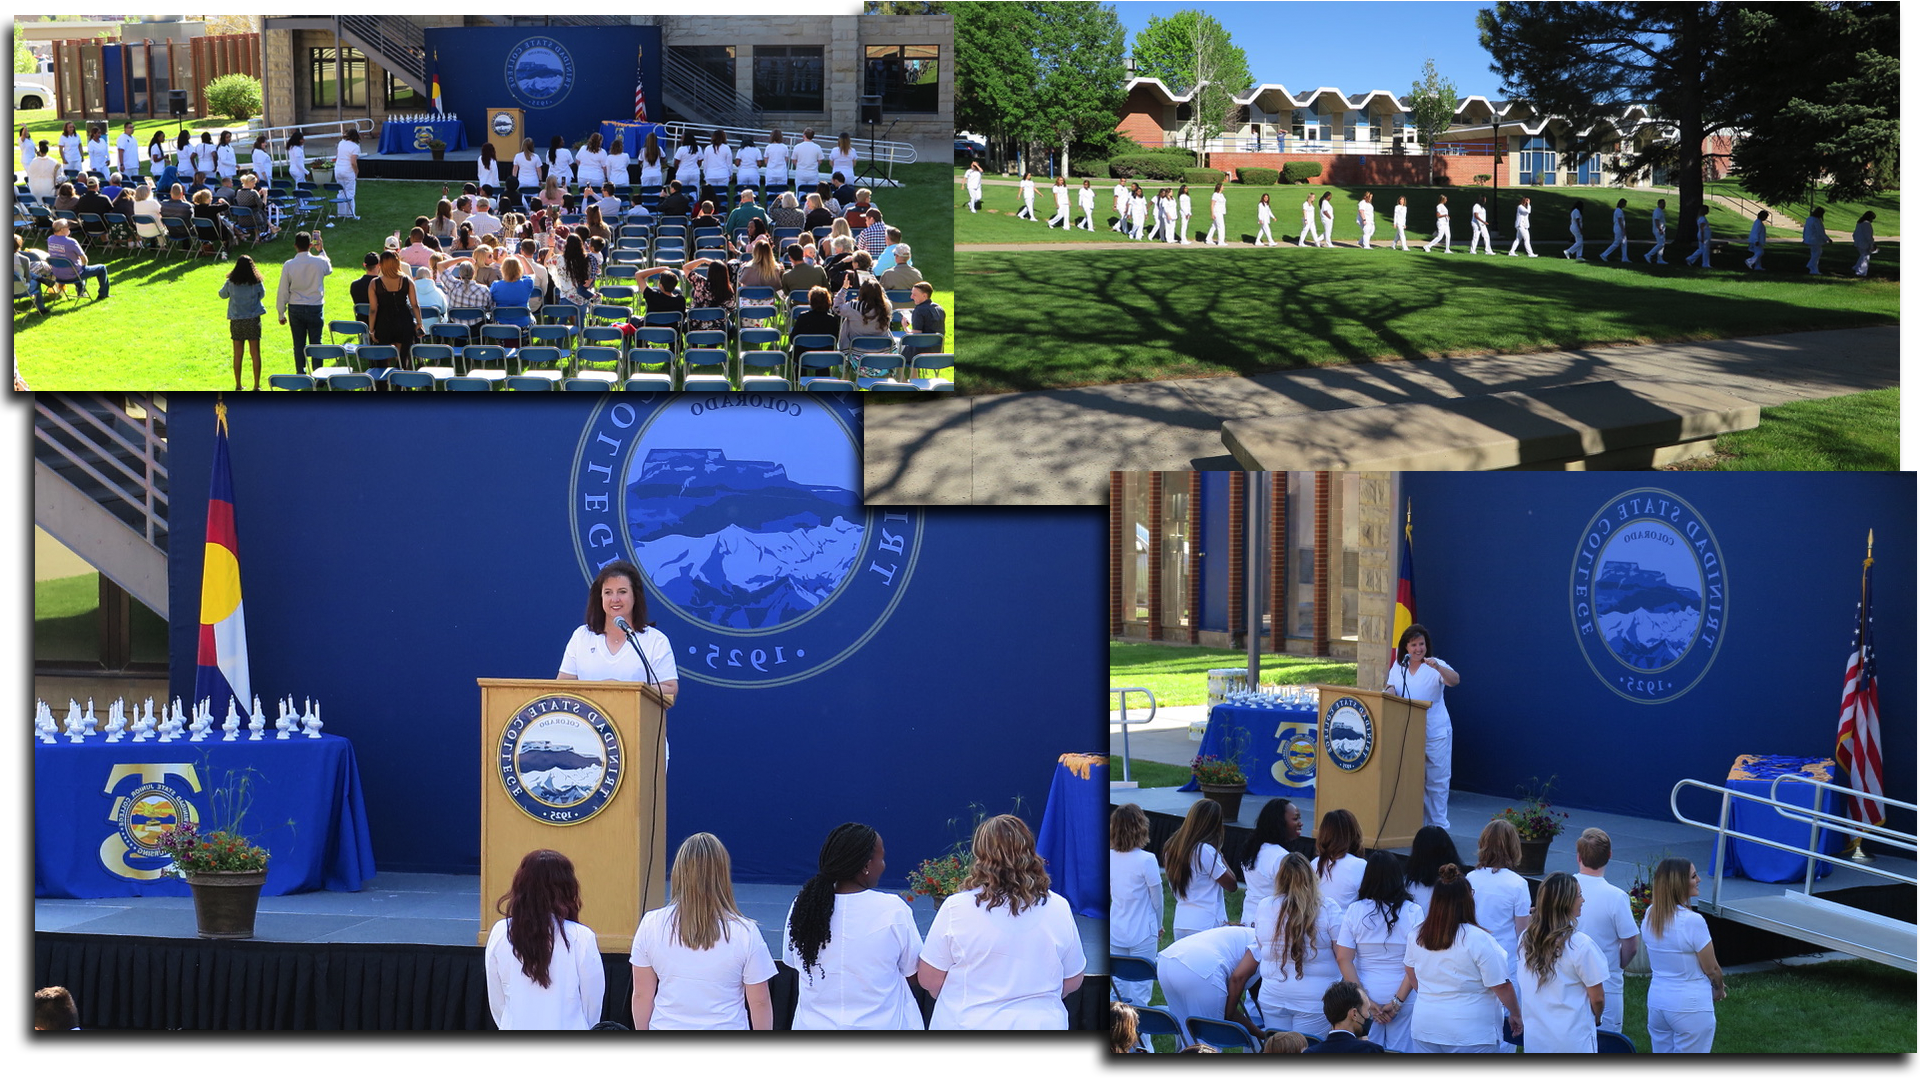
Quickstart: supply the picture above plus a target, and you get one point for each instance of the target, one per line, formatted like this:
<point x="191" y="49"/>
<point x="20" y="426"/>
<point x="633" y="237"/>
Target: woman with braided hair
<point x="531" y="982"/>
<point x="1563" y="977"/>
<point x="855" y="947"/>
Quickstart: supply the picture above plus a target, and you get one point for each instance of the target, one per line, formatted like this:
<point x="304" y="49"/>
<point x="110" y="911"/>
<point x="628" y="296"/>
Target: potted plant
<point x="941" y="877"/>
<point x="437" y="147"/>
<point x="224" y="868"/>
<point x="1221" y="777"/>
<point x="1639" y="897"/>
<point x="1537" y="823"/>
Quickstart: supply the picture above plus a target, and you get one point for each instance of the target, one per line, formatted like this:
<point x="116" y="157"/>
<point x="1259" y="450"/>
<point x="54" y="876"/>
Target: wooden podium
<point x="575" y="766"/>
<point x="1371" y="759"/>
<point x="506" y="128"/>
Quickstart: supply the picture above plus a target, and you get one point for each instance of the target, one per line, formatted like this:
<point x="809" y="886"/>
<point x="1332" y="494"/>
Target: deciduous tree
<point x="1079" y="57"/>
<point x="1191" y="51"/>
<point x="1431" y="104"/>
<point x="994" y="72"/>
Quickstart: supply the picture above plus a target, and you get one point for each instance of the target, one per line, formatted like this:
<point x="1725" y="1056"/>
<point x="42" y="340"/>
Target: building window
<point x="907" y="77"/>
<point x="353" y="72"/>
<point x="789" y="78"/>
<point x="712" y="64"/>
<point x="402" y="96"/>
<point x="1349" y="129"/>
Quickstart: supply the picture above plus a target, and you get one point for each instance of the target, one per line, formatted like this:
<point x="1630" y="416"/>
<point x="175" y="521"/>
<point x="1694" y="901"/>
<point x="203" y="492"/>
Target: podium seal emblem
<point x="1347" y="732"/>
<point x="560" y="759"/>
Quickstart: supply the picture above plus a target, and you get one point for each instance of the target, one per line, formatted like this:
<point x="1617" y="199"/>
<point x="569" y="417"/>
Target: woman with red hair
<point x="543" y="965"/>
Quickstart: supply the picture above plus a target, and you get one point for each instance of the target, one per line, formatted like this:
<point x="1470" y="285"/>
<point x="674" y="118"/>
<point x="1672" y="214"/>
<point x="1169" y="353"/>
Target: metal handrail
<point x="1126" y="745"/>
<point x="397" y="42"/>
<point x="277" y="139"/>
<point x="1722" y="832"/>
<point x="143" y="489"/>
<point x="717" y="102"/>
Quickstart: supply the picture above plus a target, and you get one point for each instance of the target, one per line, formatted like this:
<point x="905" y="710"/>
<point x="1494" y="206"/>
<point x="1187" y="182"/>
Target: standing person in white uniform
<point x="1264" y="238"/>
<point x="1026" y="198"/>
<point x="1576" y="227"/>
<point x="620" y="164"/>
<point x="601" y="651"/>
<point x="1004" y="953"/>
<point x="1326" y="219"/>
<point x="778" y="162"/>
<point x="1443" y="235"/>
<point x="1309" y="231"/>
<point x="297" y="157"/>
<point x="1562" y="976"/>
<point x="1862" y="242"/>
<point x="127" y="153"/>
<point x="686" y="166"/>
<point x="262" y="162"/>
<point x="1371" y="945"/>
<point x="1460" y="973"/>
<point x="1086" y="205"/>
<point x="1500" y="896"/>
<point x="1366" y="221"/>
<point x="225" y="164"/>
<point x="855" y="948"/>
<point x="716" y="165"/>
<point x="1137" y="208"/>
<point x="1523" y="228"/>
<point x="843" y="157"/>
<point x="1338" y="865"/>
<point x="1400" y="225"/>
<point x="1062" y="208"/>
<point x="1420" y="676"/>
<point x="1814" y="234"/>
<point x="98" y="156"/>
<point x="1293" y="951"/>
<point x="1186" y="216"/>
<point x="487" y="173"/>
<point x="525" y="173"/>
<point x="1432" y="847"/>
<point x="1619" y="233"/>
<point x="1170" y="216"/>
<point x="1134" y="902"/>
<point x="1121" y="206"/>
<point x="1196" y="970"/>
<point x="1606" y="919"/>
<point x="806" y="161"/>
<point x="653" y="162"/>
<point x="1687" y="981"/>
<point x="1658" y="256"/>
<point x="1757" y="241"/>
<point x="543" y="965"/>
<point x="591" y="163"/>
<point x="1217" y="232"/>
<point x="70" y="145"/>
<point x="26" y="148"/>
<point x="346" y="170"/>
<point x="1198" y="874"/>
<point x="1703" y="242"/>
<point x="698" y="964"/>
<point x="746" y="165"/>
<point x="1274" y="834"/>
<point x="1479" y="226"/>
<point x="975" y="176"/>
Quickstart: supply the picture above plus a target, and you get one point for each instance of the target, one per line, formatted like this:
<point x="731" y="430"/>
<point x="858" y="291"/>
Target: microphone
<point x="620" y="623"/>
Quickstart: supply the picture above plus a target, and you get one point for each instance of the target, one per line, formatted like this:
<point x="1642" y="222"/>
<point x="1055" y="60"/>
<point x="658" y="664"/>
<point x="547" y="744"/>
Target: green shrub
<point x="1146" y="166"/>
<point x="237" y="96"/>
<point x="1259" y="176"/>
<point x="1300" y="171"/>
<point x="1180" y="152"/>
<point x="1095" y="169"/>
<point x="1203" y="177"/>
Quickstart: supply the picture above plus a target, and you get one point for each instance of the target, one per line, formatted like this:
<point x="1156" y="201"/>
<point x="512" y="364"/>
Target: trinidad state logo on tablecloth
<point x="1347" y="732"/>
<point x="149" y="800"/>
<point x="539" y="73"/>
<point x="560" y="759"/>
<point x="762" y="565"/>
<point x="1648" y="595"/>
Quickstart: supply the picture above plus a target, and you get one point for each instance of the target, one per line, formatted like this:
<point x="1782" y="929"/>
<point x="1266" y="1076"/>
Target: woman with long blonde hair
<point x="1126" y="1028"/>
<point x="697" y="963"/>
<point x="1004" y="952"/>
<point x="1196" y="870"/>
<point x="1293" y="950"/>
<point x="1687" y="980"/>
<point x="1563" y="977"/>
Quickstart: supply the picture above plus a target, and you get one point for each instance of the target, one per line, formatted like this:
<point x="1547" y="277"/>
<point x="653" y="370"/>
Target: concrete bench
<point x="1593" y="425"/>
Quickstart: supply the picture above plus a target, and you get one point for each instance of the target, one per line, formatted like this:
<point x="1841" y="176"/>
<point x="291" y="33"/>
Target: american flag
<point x="640" y="96"/>
<point x="1858" y="748"/>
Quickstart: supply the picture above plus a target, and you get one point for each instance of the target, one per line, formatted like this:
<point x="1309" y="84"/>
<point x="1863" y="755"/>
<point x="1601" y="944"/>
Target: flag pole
<point x="1856" y="852"/>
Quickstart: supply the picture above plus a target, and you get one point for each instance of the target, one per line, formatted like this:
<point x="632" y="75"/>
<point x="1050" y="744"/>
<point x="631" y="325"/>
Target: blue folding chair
<point x="488" y="361"/>
<point x="435" y="361"/>
<point x="1158" y="1021"/>
<point x="589" y="359"/>
<point x="377" y="360"/>
<point x="326" y="360"/>
<point x="1222" y="1034"/>
<point x="295" y="382"/>
<point x="541" y="361"/>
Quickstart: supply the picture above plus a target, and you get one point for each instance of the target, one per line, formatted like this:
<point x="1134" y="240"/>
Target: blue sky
<point x="1351" y="46"/>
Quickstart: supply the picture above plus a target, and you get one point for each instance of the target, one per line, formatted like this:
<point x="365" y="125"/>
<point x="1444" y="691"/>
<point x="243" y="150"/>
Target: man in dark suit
<point x="1345" y="1008"/>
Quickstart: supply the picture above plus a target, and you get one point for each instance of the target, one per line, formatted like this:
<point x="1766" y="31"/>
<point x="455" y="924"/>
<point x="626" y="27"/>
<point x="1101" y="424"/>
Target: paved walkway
<point x="1058" y="446"/>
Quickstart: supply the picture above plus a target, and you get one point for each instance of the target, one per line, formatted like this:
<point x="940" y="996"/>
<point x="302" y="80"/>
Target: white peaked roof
<point x="1473" y="110"/>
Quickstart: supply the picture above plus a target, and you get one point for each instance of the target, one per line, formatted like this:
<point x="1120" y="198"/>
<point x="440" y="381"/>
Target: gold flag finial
<point x="220" y="412"/>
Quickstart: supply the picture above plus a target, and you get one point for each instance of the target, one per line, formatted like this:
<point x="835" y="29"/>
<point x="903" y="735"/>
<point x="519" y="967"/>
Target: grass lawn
<point x="66" y="622"/>
<point x="1178" y="675"/>
<point x="995" y="222"/>
<point x="1088" y="318"/>
<point x="1841" y="216"/>
<point x="1856" y="432"/>
<point x="165" y="327"/>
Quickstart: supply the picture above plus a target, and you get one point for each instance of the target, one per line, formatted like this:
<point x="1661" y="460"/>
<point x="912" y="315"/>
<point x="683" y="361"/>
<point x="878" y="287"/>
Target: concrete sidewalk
<point x="1058" y="446"/>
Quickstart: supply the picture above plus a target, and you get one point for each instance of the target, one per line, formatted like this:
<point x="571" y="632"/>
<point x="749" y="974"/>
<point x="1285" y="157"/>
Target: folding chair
<point x="670" y="319"/>
<point x="1156" y="1021"/>
<point x="208" y="233"/>
<point x="1222" y="1034"/>
<point x="827" y="385"/>
<point x="488" y="361"/>
<point x="180" y="236"/>
<point x="664" y="338"/>
<point x="92" y="230"/>
<point x="451" y="333"/>
<point x="619" y="295"/>
<point x="350" y="381"/>
<point x="246" y="224"/>
<point x="411" y="379"/>
<point x="695" y="361"/>
<point x="764" y="383"/>
<point x="807" y="366"/>
<point x="377" y="360"/>
<point x="558" y="314"/>
<point x="758" y="295"/>
<point x="120" y="232"/>
<point x="462" y="384"/>
<point x="610" y="312"/>
<point x="932" y="361"/>
<point x="893" y="387"/>
<point x="604" y="336"/>
<point x="648" y="383"/>
<point x="615" y="372"/>
<point x="912" y="344"/>
<point x="541" y="361"/>
<point x="650" y="361"/>
<point x="363" y="312"/>
<point x="507" y="337"/>
<point x="326" y="360"/>
<point x="705" y="383"/>
<point x="526" y="383"/>
<point x="885" y="364"/>
<point x="768" y="360"/>
<point x="1614" y="1042"/>
<point x="586" y="385"/>
<point x="900" y="297"/>
<point x="290" y="381"/>
<point x="435" y="361"/>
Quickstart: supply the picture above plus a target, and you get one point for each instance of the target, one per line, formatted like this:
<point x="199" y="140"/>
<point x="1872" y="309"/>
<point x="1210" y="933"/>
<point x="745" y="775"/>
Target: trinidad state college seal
<point x="742" y="510"/>
<point x="1648" y="594"/>
<point x="539" y="73"/>
<point x="560" y="759"/>
<point x="1347" y="732"/>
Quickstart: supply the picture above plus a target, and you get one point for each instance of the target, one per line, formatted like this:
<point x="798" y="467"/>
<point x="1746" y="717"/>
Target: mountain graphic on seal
<point x="1648" y="620"/>
<point x="736" y="542"/>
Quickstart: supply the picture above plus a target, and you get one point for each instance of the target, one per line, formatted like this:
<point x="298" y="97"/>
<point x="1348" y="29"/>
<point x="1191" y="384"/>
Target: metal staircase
<point x="395" y="42"/>
<point x="100" y="485"/>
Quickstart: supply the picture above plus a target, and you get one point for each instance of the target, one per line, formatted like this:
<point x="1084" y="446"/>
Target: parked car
<point x="31" y="93"/>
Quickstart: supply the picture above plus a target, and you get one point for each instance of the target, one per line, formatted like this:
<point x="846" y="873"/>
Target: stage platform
<point x="459" y="166"/>
<point x="136" y="963"/>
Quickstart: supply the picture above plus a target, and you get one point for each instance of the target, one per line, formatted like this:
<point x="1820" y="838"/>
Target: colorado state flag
<point x="1403" y="610"/>
<point x="223" y="630"/>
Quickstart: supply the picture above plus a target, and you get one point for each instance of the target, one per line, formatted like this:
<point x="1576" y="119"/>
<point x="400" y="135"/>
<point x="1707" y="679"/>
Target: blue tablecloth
<point x="1276" y="746"/>
<point x="96" y="805"/>
<point x="633" y="136"/>
<point x="412" y="137"/>
<point x="1073" y="833"/>
<point x="1755" y="775"/>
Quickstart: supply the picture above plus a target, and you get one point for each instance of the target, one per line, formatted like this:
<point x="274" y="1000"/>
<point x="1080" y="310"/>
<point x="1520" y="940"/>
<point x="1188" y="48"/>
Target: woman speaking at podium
<point x="1420" y="676"/>
<point x="601" y="650"/>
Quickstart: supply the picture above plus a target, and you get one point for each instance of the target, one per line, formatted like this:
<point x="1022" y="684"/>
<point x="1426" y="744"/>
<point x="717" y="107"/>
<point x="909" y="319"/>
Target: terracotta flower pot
<point x="1228" y="797"/>
<point x="224" y="903"/>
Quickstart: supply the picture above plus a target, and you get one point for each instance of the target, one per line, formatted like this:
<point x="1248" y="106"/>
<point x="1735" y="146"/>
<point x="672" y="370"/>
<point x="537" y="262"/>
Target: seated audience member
<point x="711" y="288"/>
<point x="144" y="202"/>
<point x="1345" y="1008"/>
<point x="1285" y="1042"/>
<point x="902" y="274"/>
<point x="818" y="317"/>
<point x="62" y="243"/>
<point x="483" y="221"/>
<point x="530" y="260"/>
<point x="513" y="289"/>
<point x="442" y="227"/>
<point x="873" y="238"/>
<point x="785" y="212"/>
<point x="250" y="196"/>
<point x="123" y="204"/>
<point x="456" y="282"/>
<point x="30" y="275"/>
<point x="416" y="252"/>
<point x="746" y="211"/>
<point x="92" y="201"/>
<point x="54" y="1008"/>
<point x="707" y="217"/>
<point x="890" y="257"/>
<point x="485" y="271"/>
<point x="425" y="225"/>
<point x="817" y="215"/>
<point x="112" y="188"/>
<point x="856" y="214"/>
<point x="667" y="297"/>
<point x="177" y="204"/>
<point x="762" y="269"/>
<point x="595" y="226"/>
<point x="427" y="292"/>
<point x="800" y="275"/>
<point x="208" y="208"/>
<point x="1124" y="1024"/>
<point x="832" y="204"/>
<point x="675" y="202"/>
<point x="864" y="312"/>
<point x="926" y="316"/>
<point x="609" y="203"/>
<point x="843" y="192"/>
<point x="553" y="195"/>
<point x="64" y="200"/>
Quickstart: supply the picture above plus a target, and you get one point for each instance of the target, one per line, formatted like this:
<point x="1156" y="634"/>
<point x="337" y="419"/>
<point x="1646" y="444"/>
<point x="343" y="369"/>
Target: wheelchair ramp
<point x="1828" y="925"/>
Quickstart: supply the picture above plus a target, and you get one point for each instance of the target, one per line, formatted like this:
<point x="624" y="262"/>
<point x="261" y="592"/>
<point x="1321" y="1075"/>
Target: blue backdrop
<point x="1495" y="555"/>
<point x="566" y="78"/>
<point x="387" y="564"/>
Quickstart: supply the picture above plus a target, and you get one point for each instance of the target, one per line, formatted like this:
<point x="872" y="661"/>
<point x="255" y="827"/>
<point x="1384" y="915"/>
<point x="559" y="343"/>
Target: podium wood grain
<point x="1386" y="792"/>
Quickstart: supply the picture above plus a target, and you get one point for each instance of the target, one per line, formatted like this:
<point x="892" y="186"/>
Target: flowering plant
<point x="1535" y="817"/>
<point x="940" y="877"/>
<point x="1215" y="771"/>
<point x="215" y="851"/>
<point x="1639" y="897"/>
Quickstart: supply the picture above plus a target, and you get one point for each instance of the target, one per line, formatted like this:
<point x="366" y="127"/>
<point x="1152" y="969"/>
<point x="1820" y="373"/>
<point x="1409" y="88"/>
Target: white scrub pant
<point x="1326" y="231"/>
<point x="1189" y="994"/>
<point x="1217" y="232"/>
<point x="1138" y="993"/>
<point x="1704" y="253"/>
<point x="1139" y="226"/>
<point x="1396" y="1035"/>
<point x="1400" y="238"/>
<point x="1430" y="1047"/>
<point x="1443" y="236"/>
<point x="1522" y="237"/>
<point x="1658" y="254"/>
<point x="1753" y="260"/>
<point x="1439" y="774"/>
<point x="1578" y="249"/>
<point x="1310" y="1022"/>
<point x="973" y="200"/>
<point x="1480" y="235"/>
<point x="1619" y="243"/>
<point x="1266" y="234"/>
<point x="1027" y="209"/>
<point x="1366" y="234"/>
<point x="1308" y="234"/>
<point x="1061" y="214"/>
<point x="1860" y="265"/>
<point x="347" y="183"/>
<point x="1086" y="218"/>
<point x="1186" y="228"/>
<point x="1613" y="1014"/>
<point x="1813" y="256"/>
<point x="1680" y="1031"/>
